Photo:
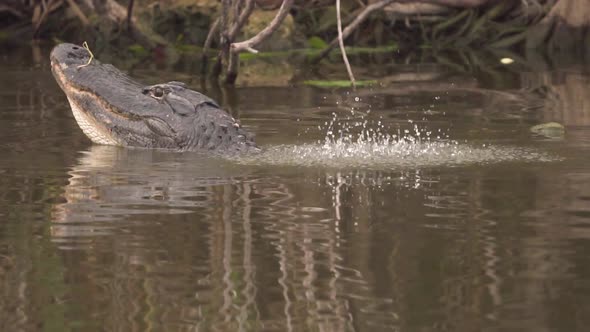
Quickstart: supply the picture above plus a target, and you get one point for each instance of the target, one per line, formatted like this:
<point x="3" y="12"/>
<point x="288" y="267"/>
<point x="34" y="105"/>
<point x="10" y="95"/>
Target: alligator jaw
<point x="92" y="128"/>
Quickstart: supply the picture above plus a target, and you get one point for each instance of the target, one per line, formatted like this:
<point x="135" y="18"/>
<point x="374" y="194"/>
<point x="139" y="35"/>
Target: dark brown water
<point x="470" y="223"/>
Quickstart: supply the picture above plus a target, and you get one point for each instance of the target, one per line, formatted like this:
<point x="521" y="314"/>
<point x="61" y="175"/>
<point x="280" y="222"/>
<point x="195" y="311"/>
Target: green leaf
<point x="316" y="42"/>
<point x="137" y="50"/>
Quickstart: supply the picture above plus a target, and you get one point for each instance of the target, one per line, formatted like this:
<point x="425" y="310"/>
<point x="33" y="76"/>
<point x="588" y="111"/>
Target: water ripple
<point x="396" y="154"/>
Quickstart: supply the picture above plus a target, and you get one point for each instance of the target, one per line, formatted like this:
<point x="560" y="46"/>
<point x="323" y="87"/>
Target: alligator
<point x="113" y="109"/>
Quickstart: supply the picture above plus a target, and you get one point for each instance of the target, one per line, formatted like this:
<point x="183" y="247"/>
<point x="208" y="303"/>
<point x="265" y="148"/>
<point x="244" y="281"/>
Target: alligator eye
<point x="158" y="92"/>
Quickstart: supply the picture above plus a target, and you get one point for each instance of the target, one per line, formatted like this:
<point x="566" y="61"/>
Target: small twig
<point x="267" y="31"/>
<point x="85" y="45"/>
<point x="341" y="42"/>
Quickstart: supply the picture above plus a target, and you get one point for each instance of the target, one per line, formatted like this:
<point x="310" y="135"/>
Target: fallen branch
<point x="341" y="42"/>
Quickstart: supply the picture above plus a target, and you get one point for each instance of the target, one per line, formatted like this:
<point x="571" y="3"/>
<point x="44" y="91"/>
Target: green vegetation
<point x="316" y="42"/>
<point x="137" y="50"/>
<point x="338" y="83"/>
<point x="311" y="52"/>
<point x="144" y="28"/>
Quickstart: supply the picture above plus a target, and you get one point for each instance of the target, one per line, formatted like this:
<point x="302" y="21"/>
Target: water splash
<point x="351" y="143"/>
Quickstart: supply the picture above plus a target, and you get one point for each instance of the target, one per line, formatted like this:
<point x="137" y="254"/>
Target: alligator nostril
<point x="75" y="47"/>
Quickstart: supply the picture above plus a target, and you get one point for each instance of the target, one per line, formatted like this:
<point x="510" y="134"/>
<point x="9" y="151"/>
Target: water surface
<point x="422" y="204"/>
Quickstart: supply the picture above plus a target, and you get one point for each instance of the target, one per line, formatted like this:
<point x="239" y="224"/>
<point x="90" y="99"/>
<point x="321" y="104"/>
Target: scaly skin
<point x="111" y="108"/>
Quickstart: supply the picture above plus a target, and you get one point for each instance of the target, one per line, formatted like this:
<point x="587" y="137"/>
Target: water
<point x="429" y="206"/>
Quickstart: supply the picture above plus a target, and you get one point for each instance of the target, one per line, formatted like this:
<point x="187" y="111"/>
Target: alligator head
<point x="113" y="109"/>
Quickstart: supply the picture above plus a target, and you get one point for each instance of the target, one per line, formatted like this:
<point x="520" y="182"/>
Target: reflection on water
<point x="235" y="234"/>
<point x="470" y="224"/>
<point x="109" y="184"/>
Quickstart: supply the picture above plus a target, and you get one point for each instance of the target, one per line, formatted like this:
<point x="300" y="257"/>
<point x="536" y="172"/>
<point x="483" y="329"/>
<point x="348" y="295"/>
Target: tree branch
<point x="352" y="26"/>
<point x="237" y="8"/>
<point x="223" y="21"/>
<point x="241" y="19"/>
<point x="208" y="41"/>
<point x="223" y="41"/>
<point x="380" y="4"/>
<point x="266" y="32"/>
